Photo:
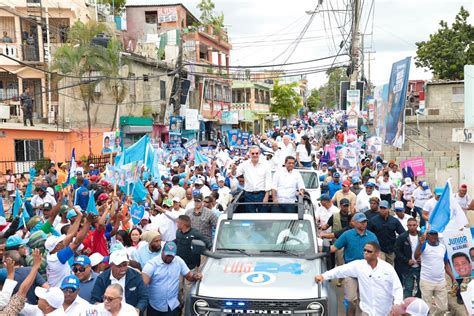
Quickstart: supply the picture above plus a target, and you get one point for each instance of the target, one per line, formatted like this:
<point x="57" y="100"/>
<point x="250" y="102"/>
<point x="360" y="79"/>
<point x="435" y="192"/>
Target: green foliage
<point x="329" y="92"/>
<point x="209" y="17"/>
<point x="286" y="100"/>
<point x="42" y="164"/>
<point x="119" y="5"/>
<point x="314" y="100"/>
<point x="449" y="49"/>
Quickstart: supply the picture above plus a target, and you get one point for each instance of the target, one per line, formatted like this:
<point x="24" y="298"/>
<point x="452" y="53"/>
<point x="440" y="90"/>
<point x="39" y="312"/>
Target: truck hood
<point x="260" y="277"/>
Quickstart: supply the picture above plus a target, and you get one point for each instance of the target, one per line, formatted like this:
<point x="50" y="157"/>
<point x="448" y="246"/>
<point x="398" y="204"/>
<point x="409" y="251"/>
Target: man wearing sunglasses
<point x="379" y="286"/>
<point x="113" y="304"/>
<point x="82" y="269"/>
<point x="73" y="304"/>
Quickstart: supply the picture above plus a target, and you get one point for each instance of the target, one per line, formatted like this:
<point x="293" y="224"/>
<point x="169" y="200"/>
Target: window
<point x="458" y="95"/>
<point x="28" y="149"/>
<point x="162" y="90"/>
<point x="151" y="17"/>
<point x="7" y="30"/>
<point x="58" y="30"/>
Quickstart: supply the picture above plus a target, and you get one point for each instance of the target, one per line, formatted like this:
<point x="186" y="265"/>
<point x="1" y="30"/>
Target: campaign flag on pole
<point x="136" y="152"/>
<point x="17" y="203"/>
<point x="72" y="168"/>
<point x="91" y="204"/>
<point x="447" y="214"/>
<point x="199" y="158"/>
<point x="25" y="216"/>
<point x="2" y="211"/>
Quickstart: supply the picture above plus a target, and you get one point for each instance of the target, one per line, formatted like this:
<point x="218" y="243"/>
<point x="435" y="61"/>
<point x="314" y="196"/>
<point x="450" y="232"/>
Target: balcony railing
<point x="9" y="49"/>
<point x="30" y="52"/>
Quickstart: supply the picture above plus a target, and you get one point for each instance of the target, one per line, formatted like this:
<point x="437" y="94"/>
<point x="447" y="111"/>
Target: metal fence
<point x="21" y="167"/>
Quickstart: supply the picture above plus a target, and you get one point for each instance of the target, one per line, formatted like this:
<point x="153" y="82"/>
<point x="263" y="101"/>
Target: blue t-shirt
<point x="333" y="188"/>
<point x="353" y="244"/>
<point x="82" y="197"/>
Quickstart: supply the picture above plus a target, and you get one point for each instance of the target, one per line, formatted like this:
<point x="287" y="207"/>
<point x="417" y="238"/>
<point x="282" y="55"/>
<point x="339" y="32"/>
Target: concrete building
<point x="430" y="135"/>
<point x="156" y="30"/>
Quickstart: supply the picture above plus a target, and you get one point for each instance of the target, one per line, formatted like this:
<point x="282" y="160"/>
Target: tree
<point x="111" y="67"/>
<point x="207" y="9"/>
<point x="78" y="60"/>
<point x="116" y="6"/>
<point x="449" y="49"/>
<point x="286" y="100"/>
<point x="329" y="92"/>
<point x="314" y="100"/>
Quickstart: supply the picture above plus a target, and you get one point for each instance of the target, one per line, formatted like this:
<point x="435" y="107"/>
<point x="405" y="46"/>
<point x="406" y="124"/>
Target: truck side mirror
<point x="198" y="246"/>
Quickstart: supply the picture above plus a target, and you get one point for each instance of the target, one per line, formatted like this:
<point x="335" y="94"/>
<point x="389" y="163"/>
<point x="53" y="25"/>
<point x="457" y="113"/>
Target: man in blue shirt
<point x="161" y="274"/>
<point x="82" y="269"/>
<point x="335" y="184"/>
<point x="353" y="242"/>
<point x="81" y="195"/>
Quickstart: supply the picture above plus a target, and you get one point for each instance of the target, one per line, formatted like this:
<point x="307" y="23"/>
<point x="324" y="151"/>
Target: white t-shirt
<point x="396" y="177"/>
<point x="303" y="153"/>
<point x="413" y="244"/>
<point x="56" y="270"/>
<point x="362" y="202"/>
<point x="404" y="220"/>
<point x="384" y="187"/>
<point x="407" y="191"/>
<point x="99" y="310"/>
<point x="429" y="206"/>
<point x="463" y="201"/>
<point x="420" y="196"/>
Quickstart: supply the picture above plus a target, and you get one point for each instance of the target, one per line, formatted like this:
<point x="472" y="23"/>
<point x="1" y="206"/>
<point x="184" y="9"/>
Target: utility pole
<point x="355" y="47"/>
<point x="175" y="100"/>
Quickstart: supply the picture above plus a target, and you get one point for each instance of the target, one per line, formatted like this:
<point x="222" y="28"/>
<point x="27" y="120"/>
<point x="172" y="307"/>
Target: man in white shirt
<point x="463" y="198"/>
<point x="258" y="180"/>
<point x="379" y="285"/>
<point x="176" y="190"/>
<point x="420" y="196"/>
<point x="287" y="183"/>
<point x="362" y="201"/>
<point x="40" y="198"/>
<point x="113" y="304"/>
<point x="325" y="211"/>
<point x="166" y="222"/>
<point x="287" y="147"/>
<point x="431" y="203"/>
<point x="50" y="302"/>
<point x="395" y="176"/>
<point x="73" y="304"/>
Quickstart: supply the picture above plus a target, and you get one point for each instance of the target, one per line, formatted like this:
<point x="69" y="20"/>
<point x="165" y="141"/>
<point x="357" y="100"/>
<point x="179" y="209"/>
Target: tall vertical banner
<point x="397" y="91"/>
<point x="380" y="104"/>
<point x="176" y="126"/>
<point x="353" y="103"/>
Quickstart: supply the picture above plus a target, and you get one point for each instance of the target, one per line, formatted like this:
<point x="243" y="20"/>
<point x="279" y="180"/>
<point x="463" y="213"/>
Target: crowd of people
<point x="74" y="258"/>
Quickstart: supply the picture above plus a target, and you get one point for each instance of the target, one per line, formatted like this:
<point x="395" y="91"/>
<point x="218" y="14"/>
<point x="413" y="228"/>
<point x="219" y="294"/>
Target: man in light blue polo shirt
<point x="82" y="269"/>
<point x="353" y="242"/>
<point x="161" y="274"/>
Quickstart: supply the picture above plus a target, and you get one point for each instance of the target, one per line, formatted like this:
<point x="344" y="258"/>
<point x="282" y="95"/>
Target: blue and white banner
<point x="395" y="111"/>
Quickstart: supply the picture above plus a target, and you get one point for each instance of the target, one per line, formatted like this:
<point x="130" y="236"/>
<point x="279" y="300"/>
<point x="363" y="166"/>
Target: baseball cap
<point x="438" y="190"/>
<point x="372" y="180"/>
<point x="197" y="197"/>
<point x="370" y="184"/>
<point x="214" y="187"/>
<point x="383" y="204"/>
<point x="82" y="260"/>
<point x="47" y="206"/>
<point x="408" y="181"/>
<point x="176" y="199"/>
<point x="399" y="206"/>
<point x="416" y="307"/>
<point x="91" y="165"/>
<point x="94" y="178"/>
<point x="168" y="202"/>
<point x="425" y="185"/>
<point x="15" y="241"/>
<point x="63" y="209"/>
<point x="346" y="183"/>
<point x="102" y="197"/>
<point x="384" y="162"/>
<point x="463" y="186"/>
<point x="175" y="165"/>
<point x="70" y="282"/>
<point x="54" y="296"/>
<point x="71" y="214"/>
<point x="118" y="256"/>
<point x="432" y="231"/>
<point x="336" y="175"/>
<point x="220" y="178"/>
<point x="41" y="188"/>
<point x="169" y="249"/>
<point x="325" y="197"/>
<point x="198" y="181"/>
<point x="360" y="217"/>
<point x="96" y="258"/>
<point x="37" y="239"/>
<point x="355" y="180"/>
<point x="53" y="241"/>
<point x="344" y="202"/>
<point x="146" y="216"/>
<point x="324" y="164"/>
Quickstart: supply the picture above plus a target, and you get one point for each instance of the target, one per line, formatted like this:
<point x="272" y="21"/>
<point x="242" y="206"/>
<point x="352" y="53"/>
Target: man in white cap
<point x="50" y="302"/>
<point x="412" y="306"/>
<point x="136" y="293"/>
<point x="61" y="249"/>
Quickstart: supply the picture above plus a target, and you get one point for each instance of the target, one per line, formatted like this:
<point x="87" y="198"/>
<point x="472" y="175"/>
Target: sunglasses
<point x="109" y="298"/>
<point x="80" y="269"/>
<point x="368" y="251"/>
<point x="69" y="290"/>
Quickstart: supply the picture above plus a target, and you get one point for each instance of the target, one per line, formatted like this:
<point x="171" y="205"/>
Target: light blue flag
<point x="2" y="211"/>
<point x="136" y="152"/>
<point x="139" y="191"/>
<point x="199" y="158"/>
<point x="441" y="214"/>
<point x="155" y="170"/>
<point x="29" y="187"/>
<point x="17" y="203"/>
<point x="25" y="216"/>
<point x="91" y="208"/>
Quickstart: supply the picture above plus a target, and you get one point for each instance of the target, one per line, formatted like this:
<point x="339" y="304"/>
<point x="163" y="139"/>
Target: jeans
<point x="153" y="312"/>
<point x="307" y="164"/>
<point x="287" y="208"/>
<point x="250" y="197"/>
<point x="409" y="282"/>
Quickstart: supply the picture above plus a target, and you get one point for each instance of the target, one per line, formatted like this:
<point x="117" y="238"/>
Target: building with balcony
<point x="157" y="31"/>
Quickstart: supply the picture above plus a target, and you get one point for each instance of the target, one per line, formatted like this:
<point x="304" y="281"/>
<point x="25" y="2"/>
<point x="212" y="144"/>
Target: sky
<point x="262" y="31"/>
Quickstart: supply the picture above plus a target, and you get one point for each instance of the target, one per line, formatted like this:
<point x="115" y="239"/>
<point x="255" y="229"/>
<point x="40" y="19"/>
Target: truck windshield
<point x="284" y="237"/>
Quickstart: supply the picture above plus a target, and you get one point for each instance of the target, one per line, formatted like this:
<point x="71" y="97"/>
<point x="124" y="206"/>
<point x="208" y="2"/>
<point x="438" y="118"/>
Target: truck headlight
<point x="315" y="306"/>
<point x="197" y="307"/>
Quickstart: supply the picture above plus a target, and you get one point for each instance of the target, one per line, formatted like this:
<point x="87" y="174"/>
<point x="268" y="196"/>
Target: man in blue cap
<point x="353" y="242"/>
<point x="431" y="203"/>
<point x="335" y="184"/>
<point x="82" y="269"/>
<point x="161" y="274"/>
<point x="326" y="210"/>
<point x="73" y="303"/>
<point x="356" y="188"/>
<point x="386" y="228"/>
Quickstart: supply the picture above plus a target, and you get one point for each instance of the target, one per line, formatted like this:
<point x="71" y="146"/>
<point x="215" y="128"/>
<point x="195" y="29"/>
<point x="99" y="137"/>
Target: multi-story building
<point x="206" y="54"/>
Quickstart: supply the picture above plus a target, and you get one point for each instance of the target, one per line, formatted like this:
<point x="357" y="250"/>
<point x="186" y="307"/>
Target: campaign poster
<point x="468" y="295"/>
<point x="108" y="139"/>
<point x="459" y="245"/>
<point x="233" y="135"/>
<point x="417" y="164"/>
<point x="350" y="136"/>
<point x="353" y="103"/>
<point x="115" y="175"/>
<point x="245" y="139"/>
<point x="374" y="145"/>
<point x="331" y="149"/>
<point x="346" y="158"/>
<point x="380" y="105"/>
<point x="397" y="91"/>
<point x="176" y="126"/>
